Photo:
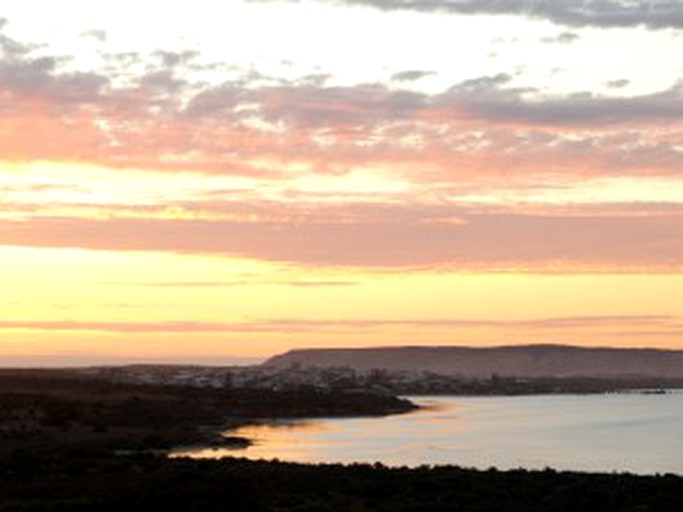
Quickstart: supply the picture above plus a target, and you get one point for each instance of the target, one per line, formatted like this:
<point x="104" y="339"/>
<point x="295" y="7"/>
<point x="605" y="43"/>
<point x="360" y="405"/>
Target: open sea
<point x="630" y="432"/>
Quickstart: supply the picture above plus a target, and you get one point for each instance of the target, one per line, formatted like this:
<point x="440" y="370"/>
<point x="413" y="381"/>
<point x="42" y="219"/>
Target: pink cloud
<point x="481" y="241"/>
<point x="162" y="121"/>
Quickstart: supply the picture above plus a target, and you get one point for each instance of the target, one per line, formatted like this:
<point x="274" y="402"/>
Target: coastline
<point x="222" y="436"/>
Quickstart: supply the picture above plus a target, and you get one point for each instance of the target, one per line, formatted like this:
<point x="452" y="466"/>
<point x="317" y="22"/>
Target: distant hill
<point x="518" y="361"/>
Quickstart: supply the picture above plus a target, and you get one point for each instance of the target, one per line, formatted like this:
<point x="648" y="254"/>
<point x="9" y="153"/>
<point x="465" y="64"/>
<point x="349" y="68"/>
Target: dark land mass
<point x="63" y="408"/>
<point x="78" y="481"/>
<point x="437" y="384"/>
<point x="72" y="443"/>
<point x="529" y="361"/>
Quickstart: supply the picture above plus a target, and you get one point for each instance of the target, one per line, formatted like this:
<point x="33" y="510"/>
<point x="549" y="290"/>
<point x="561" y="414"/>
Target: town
<point x="374" y="380"/>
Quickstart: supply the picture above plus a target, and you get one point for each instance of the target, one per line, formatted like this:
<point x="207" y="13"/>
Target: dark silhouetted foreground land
<point x="77" y="481"/>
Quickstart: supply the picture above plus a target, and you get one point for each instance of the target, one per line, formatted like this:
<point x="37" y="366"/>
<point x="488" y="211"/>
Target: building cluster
<point x="283" y="378"/>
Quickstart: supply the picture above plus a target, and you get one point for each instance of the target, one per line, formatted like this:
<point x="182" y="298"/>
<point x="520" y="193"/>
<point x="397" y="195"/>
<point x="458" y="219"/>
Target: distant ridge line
<point x="536" y="360"/>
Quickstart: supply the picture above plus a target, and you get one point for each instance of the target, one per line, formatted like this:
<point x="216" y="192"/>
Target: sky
<point x="197" y="181"/>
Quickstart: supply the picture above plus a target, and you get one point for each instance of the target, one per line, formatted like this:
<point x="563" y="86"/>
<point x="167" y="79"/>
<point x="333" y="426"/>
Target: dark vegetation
<point x="54" y="408"/>
<point x="78" y="481"/>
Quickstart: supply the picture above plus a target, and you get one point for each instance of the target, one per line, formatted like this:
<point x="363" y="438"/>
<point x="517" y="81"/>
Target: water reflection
<point x="637" y="433"/>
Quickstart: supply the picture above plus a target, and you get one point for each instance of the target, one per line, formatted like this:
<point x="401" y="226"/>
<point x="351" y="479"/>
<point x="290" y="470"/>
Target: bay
<point x="634" y="432"/>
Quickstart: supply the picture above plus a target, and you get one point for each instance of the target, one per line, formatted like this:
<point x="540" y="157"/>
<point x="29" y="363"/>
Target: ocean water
<point x="637" y="433"/>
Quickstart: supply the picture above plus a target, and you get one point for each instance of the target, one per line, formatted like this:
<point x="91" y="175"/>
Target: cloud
<point x="172" y="59"/>
<point x="654" y="14"/>
<point x="411" y="75"/>
<point x="617" y="84"/>
<point x="118" y="327"/>
<point x="403" y="239"/>
<point x="563" y="38"/>
<point x="654" y="323"/>
<point x="514" y="129"/>
<point x="24" y="75"/>
<point x="484" y="98"/>
<point x="98" y="35"/>
<point x="159" y="119"/>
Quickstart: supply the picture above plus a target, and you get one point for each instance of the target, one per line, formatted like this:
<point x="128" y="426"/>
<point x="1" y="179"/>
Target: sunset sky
<point x="190" y="181"/>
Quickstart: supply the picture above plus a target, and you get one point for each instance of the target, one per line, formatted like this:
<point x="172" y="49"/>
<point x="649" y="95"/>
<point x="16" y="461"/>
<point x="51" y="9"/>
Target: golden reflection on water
<point x="284" y="440"/>
<point x="255" y="431"/>
<point x="342" y="439"/>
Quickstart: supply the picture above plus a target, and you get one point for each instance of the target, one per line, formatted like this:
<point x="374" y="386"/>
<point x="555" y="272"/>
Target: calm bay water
<point x="639" y="433"/>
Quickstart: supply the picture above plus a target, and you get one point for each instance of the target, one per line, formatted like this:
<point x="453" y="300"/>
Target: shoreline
<point x="334" y="442"/>
<point x="222" y="436"/>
